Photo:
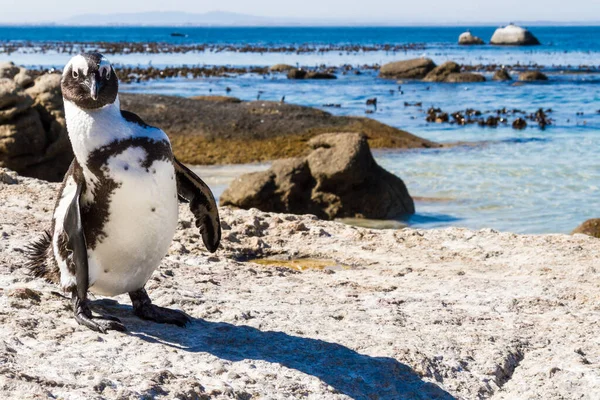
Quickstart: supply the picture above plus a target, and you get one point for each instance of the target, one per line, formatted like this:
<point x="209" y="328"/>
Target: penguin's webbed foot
<point x="100" y="323"/>
<point x="144" y="309"/>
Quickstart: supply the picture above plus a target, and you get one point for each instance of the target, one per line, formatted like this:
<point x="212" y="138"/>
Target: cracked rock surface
<point x="405" y="314"/>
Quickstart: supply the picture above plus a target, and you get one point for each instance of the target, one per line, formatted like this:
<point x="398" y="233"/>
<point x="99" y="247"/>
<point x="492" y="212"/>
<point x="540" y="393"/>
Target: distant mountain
<point x="222" y="18"/>
<point x="176" y="18"/>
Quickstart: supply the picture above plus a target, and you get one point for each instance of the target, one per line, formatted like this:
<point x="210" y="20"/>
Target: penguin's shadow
<point x="348" y="372"/>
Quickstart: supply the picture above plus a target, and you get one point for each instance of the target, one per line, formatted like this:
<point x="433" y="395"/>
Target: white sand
<point x="420" y="314"/>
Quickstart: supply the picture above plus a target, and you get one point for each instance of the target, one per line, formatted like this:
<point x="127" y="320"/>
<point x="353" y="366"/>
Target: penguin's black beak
<point x="95" y="84"/>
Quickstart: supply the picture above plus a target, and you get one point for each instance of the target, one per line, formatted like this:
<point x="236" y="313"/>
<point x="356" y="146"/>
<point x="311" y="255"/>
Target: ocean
<point x="527" y="181"/>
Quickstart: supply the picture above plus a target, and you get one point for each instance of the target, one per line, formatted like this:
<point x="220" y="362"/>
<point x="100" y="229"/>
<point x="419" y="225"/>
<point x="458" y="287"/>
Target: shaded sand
<point x="255" y="131"/>
<point x="419" y="314"/>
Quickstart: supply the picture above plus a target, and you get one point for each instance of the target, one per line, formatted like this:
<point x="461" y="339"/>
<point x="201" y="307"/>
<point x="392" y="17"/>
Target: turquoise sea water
<point x="529" y="181"/>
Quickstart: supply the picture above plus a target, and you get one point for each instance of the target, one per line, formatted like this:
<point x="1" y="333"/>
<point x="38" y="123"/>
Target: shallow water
<point x="529" y="181"/>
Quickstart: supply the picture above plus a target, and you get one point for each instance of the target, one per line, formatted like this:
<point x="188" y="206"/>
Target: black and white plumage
<point x="117" y="209"/>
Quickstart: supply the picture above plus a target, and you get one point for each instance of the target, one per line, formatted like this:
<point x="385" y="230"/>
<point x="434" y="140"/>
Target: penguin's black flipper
<point x="202" y="203"/>
<point x="76" y="243"/>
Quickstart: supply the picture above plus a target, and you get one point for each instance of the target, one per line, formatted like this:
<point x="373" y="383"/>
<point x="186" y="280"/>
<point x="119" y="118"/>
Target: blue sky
<point x="400" y="11"/>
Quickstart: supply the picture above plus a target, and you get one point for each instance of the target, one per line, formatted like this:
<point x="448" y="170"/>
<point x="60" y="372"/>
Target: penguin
<point x="117" y="208"/>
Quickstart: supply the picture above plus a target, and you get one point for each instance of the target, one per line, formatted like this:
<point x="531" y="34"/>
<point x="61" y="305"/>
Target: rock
<point x="501" y="75"/>
<point x="467" y="38"/>
<point x="25" y="294"/>
<point x="532" y="76"/>
<point x="13" y="101"/>
<point x="8" y="177"/>
<point x="519" y="123"/>
<point x="33" y="135"/>
<point x="320" y="75"/>
<point x="338" y="179"/>
<point x="281" y="68"/>
<point x="217" y="99"/>
<point x="513" y="35"/>
<point x="320" y="325"/>
<point x="303" y="74"/>
<point x="464" y="77"/>
<point x="416" y="68"/>
<point x="440" y="73"/>
<point x="8" y="70"/>
<point x="24" y="78"/>
<point x="591" y="227"/>
<point x="209" y="132"/>
<point x="46" y="91"/>
<point x="297" y="74"/>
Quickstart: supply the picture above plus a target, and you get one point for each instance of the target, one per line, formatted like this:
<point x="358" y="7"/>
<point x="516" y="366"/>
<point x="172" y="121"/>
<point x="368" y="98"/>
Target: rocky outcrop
<point x="591" y="227"/>
<point x="209" y="132"/>
<point x="440" y="73"/>
<point x="203" y="130"/>
<point x="416" y="68"/>
<point x="512" y="35"/>
<point x="501" y="75"/>
<point x="295" y="307"/>
<point x="217" y="99"/>
<point x="532" y="76"/>
<point x="467" y="38"/>
<point x="339" y="178"/>
<point x="33" y="135"/>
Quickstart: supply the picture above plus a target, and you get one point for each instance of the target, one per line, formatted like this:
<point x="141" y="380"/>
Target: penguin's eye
<point x="75" y="74"/>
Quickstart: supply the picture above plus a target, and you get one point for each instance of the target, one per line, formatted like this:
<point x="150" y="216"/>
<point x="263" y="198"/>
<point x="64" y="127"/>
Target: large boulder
<point x="416" y="68"/>
<point x="33" y="135"/>
<point x="532" y="76"/>
<point x="591" y="227"/>
<point x="512" y="35"/>
<point x="440" y="73"/>
<point x="338" y="179"/>
<point x="467" y="38"/>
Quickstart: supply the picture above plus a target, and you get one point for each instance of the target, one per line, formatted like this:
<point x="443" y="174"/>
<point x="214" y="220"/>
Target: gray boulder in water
<point x="467" y="38"/>
<point x="338" y="179"/>
<point x="415" y="68"/>
<point x="512" y="35"/>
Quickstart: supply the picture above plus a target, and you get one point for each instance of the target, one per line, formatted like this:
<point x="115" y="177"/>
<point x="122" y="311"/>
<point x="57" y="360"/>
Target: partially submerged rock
<point x="591" y="227"/>
<point x="464" y="77"/>
<point x="532" y="76"/>
<point x="281" y="68"/>
<point x="304" y="74"/>
<point x="338" y="179"/>
<point x="416" y="68"/>
<point x="501" y="75"/>
<point x="513" y="35"/>
<point x="467" y="38"/>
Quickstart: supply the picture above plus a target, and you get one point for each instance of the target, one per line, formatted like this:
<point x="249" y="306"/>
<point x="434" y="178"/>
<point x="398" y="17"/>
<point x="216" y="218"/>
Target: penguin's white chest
<point x="142" y="219"/>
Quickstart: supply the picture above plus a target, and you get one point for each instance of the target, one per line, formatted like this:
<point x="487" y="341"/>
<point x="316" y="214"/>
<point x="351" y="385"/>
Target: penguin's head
<point x="89" y="81"/>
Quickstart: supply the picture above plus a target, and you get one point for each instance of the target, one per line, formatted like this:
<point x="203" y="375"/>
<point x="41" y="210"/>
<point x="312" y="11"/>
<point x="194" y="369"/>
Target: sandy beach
<point x="385" y="314"/>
